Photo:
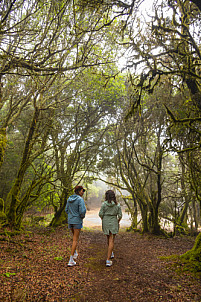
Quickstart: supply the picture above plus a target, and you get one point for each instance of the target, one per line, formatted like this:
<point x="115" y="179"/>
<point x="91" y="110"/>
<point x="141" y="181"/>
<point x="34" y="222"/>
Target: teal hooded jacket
<point x="75" y="208"/>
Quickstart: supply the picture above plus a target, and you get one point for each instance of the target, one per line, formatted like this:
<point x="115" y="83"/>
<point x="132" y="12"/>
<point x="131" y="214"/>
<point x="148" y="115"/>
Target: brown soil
<point x="34" y="268"/>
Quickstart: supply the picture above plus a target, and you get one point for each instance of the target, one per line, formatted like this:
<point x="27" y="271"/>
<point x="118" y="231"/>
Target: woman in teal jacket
<point x="76" y="210"/>
<point x="111" y="214"/>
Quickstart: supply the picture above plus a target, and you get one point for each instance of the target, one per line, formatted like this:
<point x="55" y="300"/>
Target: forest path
<point x="137" y="273"/>
<point x="34" y="268"/>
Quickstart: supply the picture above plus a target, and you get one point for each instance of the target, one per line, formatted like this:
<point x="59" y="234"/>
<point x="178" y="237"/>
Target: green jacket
<point x="111" y="214"/>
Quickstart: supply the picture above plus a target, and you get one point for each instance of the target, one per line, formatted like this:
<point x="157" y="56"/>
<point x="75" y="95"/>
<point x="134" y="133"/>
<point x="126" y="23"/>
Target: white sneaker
<point x="75" y="255"/>
<point x="108" y="263"/>
<point x="71" y="262"/>
<point x="112" y="255"/>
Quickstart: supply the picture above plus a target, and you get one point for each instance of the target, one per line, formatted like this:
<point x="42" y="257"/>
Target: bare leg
<point x="76" y="233"/>
<point x="110" y="239"/>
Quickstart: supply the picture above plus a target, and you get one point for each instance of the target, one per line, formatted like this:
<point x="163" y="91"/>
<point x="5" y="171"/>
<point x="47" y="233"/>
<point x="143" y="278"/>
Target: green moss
<point x="3" y="217"/>
<point x="182" y="229"/>
<point x="193" y="257"/>
<point x="96" y="263"/>
<point x="59" y="220"/>
<point x="9" y="233"/>
<point x="172" y="257"/>
<point x="1" y="205"/>
<point x="190" y="261"/>
<point x="87" y="229"/>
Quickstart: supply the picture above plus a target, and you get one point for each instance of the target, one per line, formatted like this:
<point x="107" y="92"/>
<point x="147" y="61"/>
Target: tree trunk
<point x="3" y="218"/>
<point x="15" y="190"/>
<point x="195" y="216"/>
<point x="3" y="141"/>
<point x="132" y="211"/>
<point x="194" y="255"/>
<point x="156" y="229"/>
<point x="181" y="222"/>
<point x="21" y="208"/>
<point x="134" y="216"/>
<point x="60" y="216"/>
<point x="144" y="214"/>
<point x="154" y="225"/>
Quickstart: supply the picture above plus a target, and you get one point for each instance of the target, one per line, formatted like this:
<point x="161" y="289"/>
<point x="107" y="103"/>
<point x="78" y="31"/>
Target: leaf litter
<point x="34" y="267"/>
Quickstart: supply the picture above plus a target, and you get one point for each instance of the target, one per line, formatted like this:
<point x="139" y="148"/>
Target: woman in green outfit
<point x="111" y="214"/>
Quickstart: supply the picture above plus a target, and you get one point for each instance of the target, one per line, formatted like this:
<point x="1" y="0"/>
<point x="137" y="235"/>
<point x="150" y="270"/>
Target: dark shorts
<point x="75" y="226"/>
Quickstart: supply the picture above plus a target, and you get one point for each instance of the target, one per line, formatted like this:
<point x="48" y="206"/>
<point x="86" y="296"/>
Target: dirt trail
<point x="137" y="273"/>
<point x="39" y="263"/>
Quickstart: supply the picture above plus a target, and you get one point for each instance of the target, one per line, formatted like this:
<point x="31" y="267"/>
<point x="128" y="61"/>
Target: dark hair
<point x="77" y="189"/>
<point x="110" y="196"/>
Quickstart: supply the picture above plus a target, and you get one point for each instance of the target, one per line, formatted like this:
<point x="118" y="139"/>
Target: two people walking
<point x="110" y="213"/>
